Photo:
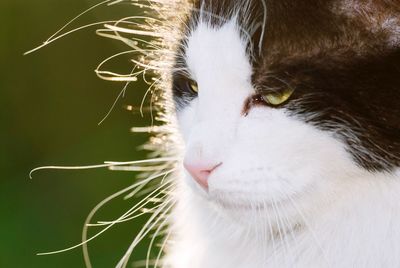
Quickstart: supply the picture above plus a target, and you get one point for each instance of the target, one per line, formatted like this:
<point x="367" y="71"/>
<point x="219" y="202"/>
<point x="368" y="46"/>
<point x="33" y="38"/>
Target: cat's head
<point x="286" y="101"/>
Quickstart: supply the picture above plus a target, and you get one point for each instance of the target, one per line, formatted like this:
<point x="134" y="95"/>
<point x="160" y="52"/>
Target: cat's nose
<point x="200" y="172"/>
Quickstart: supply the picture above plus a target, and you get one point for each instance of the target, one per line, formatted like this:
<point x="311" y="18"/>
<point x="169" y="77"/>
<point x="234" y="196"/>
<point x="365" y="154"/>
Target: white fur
<point x="286" y="195"/>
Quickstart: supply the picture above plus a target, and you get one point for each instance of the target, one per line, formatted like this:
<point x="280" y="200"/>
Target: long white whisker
<point x="290" y="229"/>
<point x="106" y="164"/>
<point x="149" y="199"/>
<point x="272" y="237"/>
<point x="120" y="94"/>
<point x="305" y="221"/>
<point x="96" y="209"/>
<point x="139" y="206"/>
<point x="282" y="232"/>
<point x="166" y="239"/>
<point x="53" y="37"/>
<point x="145" y="230"/>
<point x="145" y="95"/>
<point x="85" y="240"/>
<point x="68" y="33"/>
<point x="163" y="224"/>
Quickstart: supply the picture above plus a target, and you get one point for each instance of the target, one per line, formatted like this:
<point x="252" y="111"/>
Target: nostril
<point x="200" y="172"/>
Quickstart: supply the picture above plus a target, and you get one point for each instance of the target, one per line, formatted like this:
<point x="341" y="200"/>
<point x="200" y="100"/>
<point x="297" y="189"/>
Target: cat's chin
<point x="239" y="206"/>
<point x="254" y="206"/>
<point x="255" y="214"/>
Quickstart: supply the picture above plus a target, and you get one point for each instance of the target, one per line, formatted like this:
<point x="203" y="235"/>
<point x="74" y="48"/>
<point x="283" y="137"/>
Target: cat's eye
<point x="193" y="86"/>
<point x="277" y="97"/>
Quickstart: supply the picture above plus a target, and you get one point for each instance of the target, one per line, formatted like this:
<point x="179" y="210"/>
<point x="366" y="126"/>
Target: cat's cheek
<point x="250" y="180"/>
<point x="276" y="157"/>
<point x="186" y="119"/>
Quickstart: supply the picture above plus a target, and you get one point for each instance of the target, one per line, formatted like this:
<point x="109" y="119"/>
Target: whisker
<point x="163" y="224"/>
<point x="85" y="240"/>
<point x="139" y="206"/>
<point x="272" y="237"/>
<point x="106" y="164"/>
<point x="290" y="229"/>
<point x="53" y="37"/>
<point x="67" y="33"/>
<point x="301" y="214"/>
<point x="166" y="239"/>
<point x="282" y="233"/>
<point x="95" y="210"/>
<point x="145" y="230"/>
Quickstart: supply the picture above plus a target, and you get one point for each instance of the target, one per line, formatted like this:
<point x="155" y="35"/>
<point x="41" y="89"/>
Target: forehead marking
<point x="217" y="53"/>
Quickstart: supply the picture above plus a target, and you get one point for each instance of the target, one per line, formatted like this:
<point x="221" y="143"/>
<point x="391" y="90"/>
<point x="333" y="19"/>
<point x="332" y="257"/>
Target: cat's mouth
<point x="241" y="205"/>
<point x="253" y="204"/>
<point x="238" y="205"/>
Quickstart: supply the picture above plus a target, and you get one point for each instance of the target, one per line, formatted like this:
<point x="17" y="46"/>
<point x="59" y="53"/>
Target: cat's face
<point x="280" y="112"/>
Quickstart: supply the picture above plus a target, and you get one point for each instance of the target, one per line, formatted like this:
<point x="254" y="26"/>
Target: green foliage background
<point x="51" y="102"/>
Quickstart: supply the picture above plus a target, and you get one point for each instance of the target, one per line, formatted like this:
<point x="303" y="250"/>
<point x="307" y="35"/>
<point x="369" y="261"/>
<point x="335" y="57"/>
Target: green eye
<point x="277" y="98"/>
<point x="193" y="86"/>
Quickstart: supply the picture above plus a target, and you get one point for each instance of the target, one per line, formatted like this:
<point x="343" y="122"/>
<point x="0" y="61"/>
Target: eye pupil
<point x="193" y="86"/>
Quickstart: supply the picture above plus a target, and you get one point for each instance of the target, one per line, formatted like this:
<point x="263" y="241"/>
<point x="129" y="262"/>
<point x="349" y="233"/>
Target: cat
<point x="284" y="116"/>
<point x="289" y="113"/>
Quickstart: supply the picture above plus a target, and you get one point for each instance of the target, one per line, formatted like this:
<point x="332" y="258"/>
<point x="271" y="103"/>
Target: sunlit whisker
<point x="106" y="164"/>
<point x="143" y="211"/>
<point x="154" y="219"/>
<point x="148" y="199"/>
<point x="166" y="239"/>
<point x="85" y="240"/>
<point x="153" y="61"/>
<point x="162" y="225"/>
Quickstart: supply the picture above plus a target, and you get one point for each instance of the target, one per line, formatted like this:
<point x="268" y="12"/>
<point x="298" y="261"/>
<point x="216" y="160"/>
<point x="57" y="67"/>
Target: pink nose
<point x="200" y="172"/>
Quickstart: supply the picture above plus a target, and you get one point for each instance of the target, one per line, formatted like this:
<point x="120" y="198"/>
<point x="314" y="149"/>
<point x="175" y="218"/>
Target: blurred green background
<point x="51" y="102"/>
